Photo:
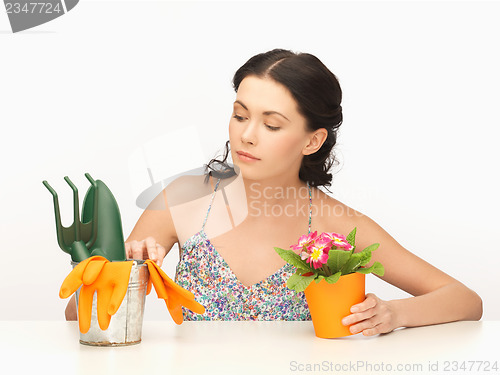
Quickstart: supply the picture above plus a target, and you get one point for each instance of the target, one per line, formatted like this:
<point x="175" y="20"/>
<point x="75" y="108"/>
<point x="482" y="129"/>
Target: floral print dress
<point x="203" y="271"/>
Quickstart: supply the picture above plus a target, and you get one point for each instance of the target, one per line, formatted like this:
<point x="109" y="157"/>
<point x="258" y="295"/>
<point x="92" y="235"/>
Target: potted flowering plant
<point x="331" y="275"/>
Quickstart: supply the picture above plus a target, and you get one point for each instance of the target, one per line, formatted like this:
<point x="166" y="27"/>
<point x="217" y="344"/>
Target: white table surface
<point x="30" y="347"/>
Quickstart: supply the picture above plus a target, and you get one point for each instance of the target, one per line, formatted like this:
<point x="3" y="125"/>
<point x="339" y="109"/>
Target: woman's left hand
<point x="371" y="317"/>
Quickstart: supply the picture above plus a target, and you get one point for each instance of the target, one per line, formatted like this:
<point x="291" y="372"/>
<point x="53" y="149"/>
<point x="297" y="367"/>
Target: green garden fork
<point x="99" y="232"/>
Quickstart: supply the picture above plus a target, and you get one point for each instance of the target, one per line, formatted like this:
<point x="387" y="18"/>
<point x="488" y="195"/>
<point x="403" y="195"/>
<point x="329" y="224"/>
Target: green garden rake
<point x="99" y="232"/>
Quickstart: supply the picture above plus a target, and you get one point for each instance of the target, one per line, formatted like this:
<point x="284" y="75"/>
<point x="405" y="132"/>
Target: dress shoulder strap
<point x="211" y="200"/>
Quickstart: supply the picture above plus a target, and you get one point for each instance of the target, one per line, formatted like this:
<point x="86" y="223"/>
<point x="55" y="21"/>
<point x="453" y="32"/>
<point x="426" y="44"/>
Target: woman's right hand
<point x="145" y="249"/>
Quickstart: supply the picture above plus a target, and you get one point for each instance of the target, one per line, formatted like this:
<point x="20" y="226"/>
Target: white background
<point x="417" y="148"/>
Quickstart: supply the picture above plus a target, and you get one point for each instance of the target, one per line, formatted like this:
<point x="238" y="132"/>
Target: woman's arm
<point x="438" y="297"/>
<point x="154" y="234"/>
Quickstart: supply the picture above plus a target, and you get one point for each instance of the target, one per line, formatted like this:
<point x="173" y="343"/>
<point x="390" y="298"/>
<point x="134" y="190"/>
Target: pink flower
<point x="337" y="240"/>
<point x="318" y="253"/>
<point x="305" y="241"/>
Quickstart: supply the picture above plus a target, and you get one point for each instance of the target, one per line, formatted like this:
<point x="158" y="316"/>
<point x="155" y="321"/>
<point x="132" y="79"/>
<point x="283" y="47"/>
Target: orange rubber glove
<point x="174" y="295"/>
<point x="109" y="279"/>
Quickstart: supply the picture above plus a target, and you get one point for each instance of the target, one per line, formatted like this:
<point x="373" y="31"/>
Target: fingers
<point x="174" y="295"/>
<point x="103" y="298"/>
<point x="367" y="327"/>
<point x="109" y="280"/>
<point x="162" y="252"/>
<point x="175" y="311"/>
<point x="371" y="317"/>
<point x="364" y="315"/>
<point x="194" y="306"/>
<point x="128" y="250"/>
<point x="146" y="249"/>
<point x="369" y="302"/>
<point x="176" y="301"/>
<point x="122" y="271"/>
<point x="74" y="279"/>
<point x="135" y="249"/>
<point x="85" y="308"/>
<point x="157" y="280"/>
<point x="165" y="284"/>
<point x="152" y="249"/>
<point x="111" y="286"/>
<point x="93" y="270"/>
<point x="358" y="317"/>
<point x="70" y="285"/>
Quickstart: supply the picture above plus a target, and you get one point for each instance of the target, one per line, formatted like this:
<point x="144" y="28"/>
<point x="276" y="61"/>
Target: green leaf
<point x="377" y="268"/>
<point x="372" y="247"/>
<point x="333" y="278"/>
<point x="337" y="259"/>
<point x="365" y="271"/>
<point x="365" y="257"/>
<point x="292" y="258"/>
<point x="301" y="271"/>
<point x="356" y="261"/>
<point x="319" y="278"/>
<point x="351" y="264"/>
<point x="351" y="237"/>
<point x="368" y="253"/>
<point x="299" y="283"/>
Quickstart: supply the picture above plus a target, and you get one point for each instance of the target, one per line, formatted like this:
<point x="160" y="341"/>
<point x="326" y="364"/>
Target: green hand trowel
<point x="100" y="230"/>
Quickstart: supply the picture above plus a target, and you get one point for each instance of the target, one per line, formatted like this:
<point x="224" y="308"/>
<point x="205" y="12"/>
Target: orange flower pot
<point x="330" y="303"/>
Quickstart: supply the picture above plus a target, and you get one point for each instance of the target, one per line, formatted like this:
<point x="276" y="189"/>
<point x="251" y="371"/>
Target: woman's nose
<point x="249" y="133"/>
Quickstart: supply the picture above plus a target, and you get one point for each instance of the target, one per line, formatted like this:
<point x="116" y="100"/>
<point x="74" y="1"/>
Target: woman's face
<point x="266" y="123"/>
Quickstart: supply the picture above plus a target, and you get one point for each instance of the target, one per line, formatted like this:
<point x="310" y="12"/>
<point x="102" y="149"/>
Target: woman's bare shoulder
<point x="340" y="218"/>
<point x="333" y="215"/>
<point x="188" y="199"/>
<point x="189" y="184"/>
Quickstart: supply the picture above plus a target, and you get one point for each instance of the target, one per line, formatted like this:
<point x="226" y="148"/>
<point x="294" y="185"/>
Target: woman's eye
<point x="241" y="118"/>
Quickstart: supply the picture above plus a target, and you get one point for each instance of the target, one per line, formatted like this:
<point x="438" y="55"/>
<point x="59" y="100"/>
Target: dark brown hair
<point x="318" y="95"/>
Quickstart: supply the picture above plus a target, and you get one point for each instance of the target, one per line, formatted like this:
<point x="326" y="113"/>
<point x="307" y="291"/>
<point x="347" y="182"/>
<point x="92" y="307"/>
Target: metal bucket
<point x="125" y="327"/>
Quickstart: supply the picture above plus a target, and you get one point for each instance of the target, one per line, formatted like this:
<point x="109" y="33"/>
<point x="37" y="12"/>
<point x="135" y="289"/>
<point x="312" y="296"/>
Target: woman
<point x="282" y="131"/>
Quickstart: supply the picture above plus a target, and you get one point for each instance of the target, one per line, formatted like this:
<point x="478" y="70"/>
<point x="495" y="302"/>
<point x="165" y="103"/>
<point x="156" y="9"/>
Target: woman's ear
<point x="315" y="141"/>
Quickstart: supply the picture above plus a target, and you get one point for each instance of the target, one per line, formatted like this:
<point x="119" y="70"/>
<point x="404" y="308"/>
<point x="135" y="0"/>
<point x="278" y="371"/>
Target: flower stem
<point x="326" y="270"/>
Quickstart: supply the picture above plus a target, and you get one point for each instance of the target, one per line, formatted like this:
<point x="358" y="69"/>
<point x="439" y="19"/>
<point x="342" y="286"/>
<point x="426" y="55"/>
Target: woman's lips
<point x="246" y="157"/>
